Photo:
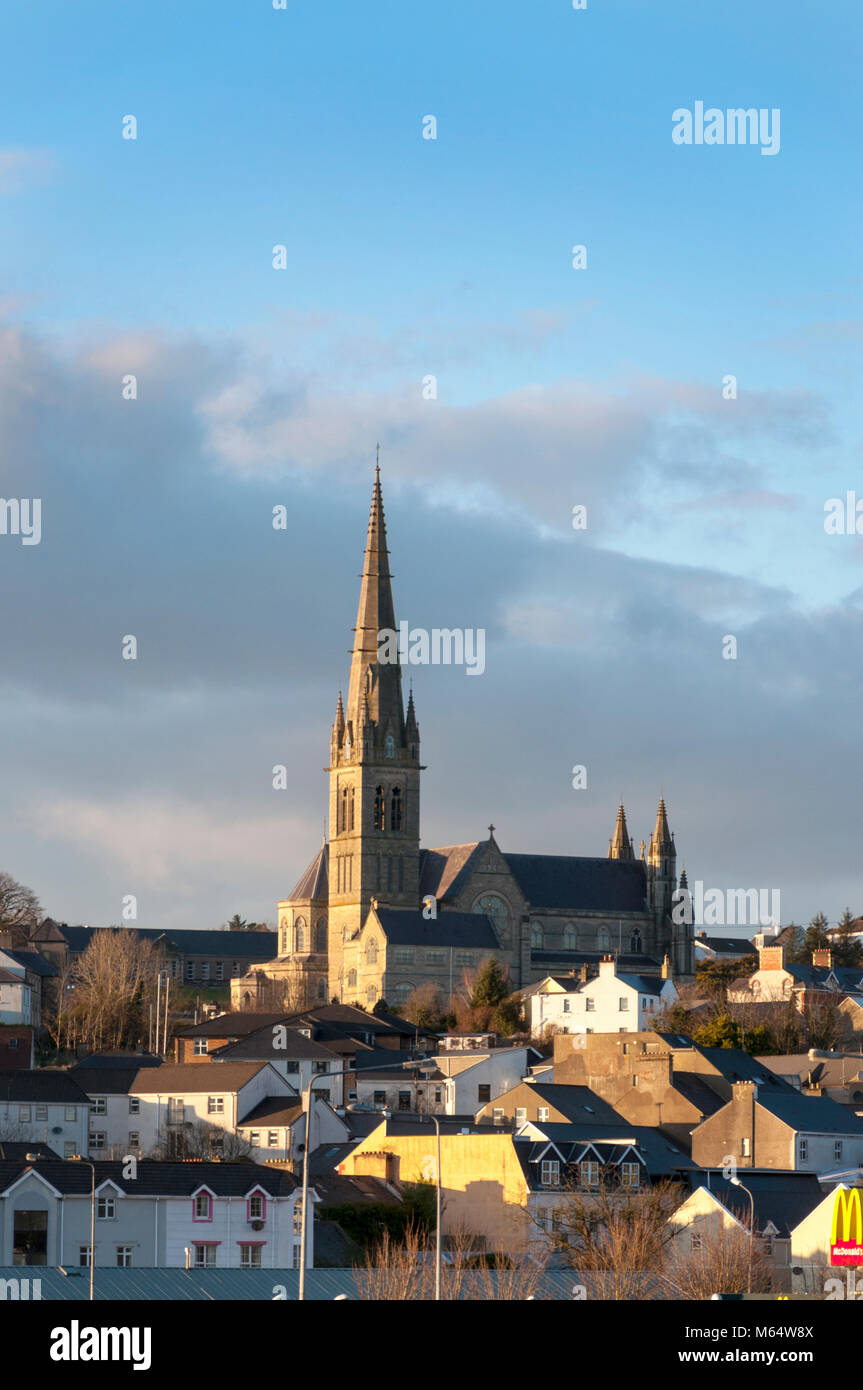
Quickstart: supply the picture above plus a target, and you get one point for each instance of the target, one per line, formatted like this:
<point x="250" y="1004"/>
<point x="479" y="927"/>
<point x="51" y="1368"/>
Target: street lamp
<point x="735" y="1182"/>
<point x="347" y="1071"/>
<point x="80" y="1159"/>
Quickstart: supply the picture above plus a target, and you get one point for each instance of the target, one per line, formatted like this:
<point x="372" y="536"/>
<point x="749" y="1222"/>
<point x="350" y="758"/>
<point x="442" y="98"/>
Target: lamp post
<point x="325" y="1076"/>
<point x="80" y="1159"/>
<point x="735" y="1182"/>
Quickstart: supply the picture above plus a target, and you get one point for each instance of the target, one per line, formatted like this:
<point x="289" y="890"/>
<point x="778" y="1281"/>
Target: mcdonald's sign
<point x="846" y="1235"/>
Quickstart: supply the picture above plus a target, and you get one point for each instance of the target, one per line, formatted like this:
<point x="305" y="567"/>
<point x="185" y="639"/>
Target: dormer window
<point x="202" y="1207"/>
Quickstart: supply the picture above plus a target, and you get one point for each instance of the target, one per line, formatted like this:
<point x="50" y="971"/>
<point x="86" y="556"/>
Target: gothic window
<point x="602" y="939"/>
<point x="536" y="936"/>
<point x="635" y="942"/>
<point x="401" y="874"/>
<point x="396" y="809"/>
<point x="371" y="994"/>
<point x="322" y="989"/>
<point x="390" y="746"/>
<point x="352" y="979"/>
<point x="321" y="935"/>
<point x="371" y="951"/>
<point x="299" y="934"/>
<point x="380" y="810"/>
<point x="389" y="873"/>
<point x="351" y="809"/>
<point x="347" y="746"/>
<point x="343" y="825"/>
<point x="570" y="937"/>
<point x="495" y="908"/>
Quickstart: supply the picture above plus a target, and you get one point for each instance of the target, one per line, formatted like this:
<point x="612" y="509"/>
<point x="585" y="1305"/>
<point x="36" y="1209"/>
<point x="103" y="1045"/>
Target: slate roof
<point x="659" y="1155"/>
<point x="18" y="1151"/>
<point x="191" y="1078"/>
<point x="580" y="883"/>
<point x="261" y="1046"/>
<point x="118" y="1059"/>
<point x="811" y="1114"/>
<point x="230" y="1025"/>
<point x="275" y="1110"/>
<point x="444" y="871"/>
<point x="408" y="927"/>
<point x="783" y="1198"/>
<point x="577" y="1103"/>
<point x="45" y="1085"/>
<point x="631" y="963"/>
<point x="645" y="984"/>
<point x="162" y="1179"/>
<point x="31" y="960"/>
<point x="346" y="1017"/>
<point x="314" y="883"/>
<point x="107" y="1081"/>
<point x="7" y="978"/>
<point x="694" y="1088"/>
<point x="727" y="945"/>
<point x="261" y="945"/>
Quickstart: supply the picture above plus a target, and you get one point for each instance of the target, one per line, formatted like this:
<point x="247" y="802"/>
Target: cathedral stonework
<point x="375" y="916"/>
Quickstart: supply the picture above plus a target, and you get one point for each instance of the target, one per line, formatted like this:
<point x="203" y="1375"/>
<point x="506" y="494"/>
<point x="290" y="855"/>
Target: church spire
<point x="378" y="682"/>
<point x="661" y="840"/>
<point x="621" y="846"/>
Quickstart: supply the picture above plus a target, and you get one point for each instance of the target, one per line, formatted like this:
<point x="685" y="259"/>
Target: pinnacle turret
<point x="621" y="845"/>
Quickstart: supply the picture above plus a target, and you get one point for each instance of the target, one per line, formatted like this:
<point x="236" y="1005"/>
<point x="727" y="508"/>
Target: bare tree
<point x="719" y="1264"/>
<point x="405" y="1271"/>
<point x="202" y="1140"/>
<point x="114" y="982"/>
<point x="19" y="909"/>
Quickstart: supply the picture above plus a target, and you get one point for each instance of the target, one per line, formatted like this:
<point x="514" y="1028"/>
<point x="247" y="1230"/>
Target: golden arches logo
<point x="847" y="1208"/>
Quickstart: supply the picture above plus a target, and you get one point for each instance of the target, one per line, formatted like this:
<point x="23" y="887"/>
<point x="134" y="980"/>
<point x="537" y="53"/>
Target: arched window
<point x="371" y="994"/>
<point x="351" y="809"/>
<point x="390" y="746"/>
<point x="389" y="873"/>
<point x="396" y="809"/>
<point x="380" y="822"/>
<point x="352" y="979"/>
<point x="635" y="942"/>
<point x="371" y="951"/>
<point x="299" y="934"/>
<point x="343" y="819"/>
<point x="322" y="988"/>
<point x="602" y="939"/>
<point x="321" y="935"/>
<point x="570" y="937"/>
<point x="536" y="936"/>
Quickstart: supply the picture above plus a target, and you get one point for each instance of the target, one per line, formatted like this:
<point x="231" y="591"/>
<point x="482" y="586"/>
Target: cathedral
<point x="374" y="916"/>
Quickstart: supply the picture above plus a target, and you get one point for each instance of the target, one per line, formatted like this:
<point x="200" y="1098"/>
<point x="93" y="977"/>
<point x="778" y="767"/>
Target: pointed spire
<point x="374" y="682"/>
<point x="621" y="845"/>
<point x="339" y="725"/>
<point x="684" y="881"/>
<point x="661" y="840"/>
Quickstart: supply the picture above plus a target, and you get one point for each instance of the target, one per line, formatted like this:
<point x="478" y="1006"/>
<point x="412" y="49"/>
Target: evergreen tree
<point x="846" y="951"/>
<point x="722" y="1032"/>
<point x="491" y="986"/>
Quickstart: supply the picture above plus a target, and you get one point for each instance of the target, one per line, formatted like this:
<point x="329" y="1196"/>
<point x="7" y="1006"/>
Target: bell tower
<point x="374" y="769"/>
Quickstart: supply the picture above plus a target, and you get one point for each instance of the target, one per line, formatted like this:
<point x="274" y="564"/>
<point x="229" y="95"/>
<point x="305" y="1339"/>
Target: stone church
<point x="374" y="916"/>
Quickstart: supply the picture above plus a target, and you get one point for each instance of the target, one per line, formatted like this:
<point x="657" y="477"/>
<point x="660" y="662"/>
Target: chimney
<point x="823" y="957"/>
<point x="607" y="967"/>
<point x="583" y="973"/>
<point x="771" y="958"/>
<point x="6" y="941"/>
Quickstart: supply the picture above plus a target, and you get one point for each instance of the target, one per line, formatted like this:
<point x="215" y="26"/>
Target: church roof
<point x="408" y="927"/>
<point x="579" y="883"/>
<point x="443" y="871"/>
<point x="314" y="883"/>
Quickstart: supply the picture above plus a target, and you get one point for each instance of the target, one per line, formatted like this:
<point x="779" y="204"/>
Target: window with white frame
<point x="803" y="1150"/>
<point x="590" y="1005"/>
<point x="69" y="1148"/>
<point x="256" y="1207"/>
<point x="202" y="1206"/>
<point x="205" y="1256"/>
<point x="41" y="1112"/>
<point x="97" y="1139"/>
<point x="71" y="1112"/>
<point x="191" y="970"/>
<point x="134" y="1105"/>
<point x="250" y="1256"/>
<point x="497" y="1115"/>
<point x="566" y="1006"/>
<point x="199" y="1047"/>
<point x="273" y="1138"/>
<point x="520" y="1115"/>
<point x="220" y="970"/>
<point x="124" y="1256"/>
<point x="550" y="1172"/>
<point x="623" y="1004"/>
<point x="205" y="970"/>
<point x="105" y="1209"/>
<point x="745" y="1147"/>
<point x="99" y="1105"/>
<point x="23" y="1114"/>
<point x="84" y="1256"/>
<point x="134" y="1139"/>
<point x="630" y="1174"/>
<point x="588" y="1173"/>
<point x="255" y="1138"/>
<point x="837" y="1151"/>
<point x="215" y="1105"/>
<point x="542" y="1113"/>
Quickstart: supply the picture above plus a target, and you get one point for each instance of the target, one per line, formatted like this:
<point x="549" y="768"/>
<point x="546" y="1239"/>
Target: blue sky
<point x="408" y="257"/>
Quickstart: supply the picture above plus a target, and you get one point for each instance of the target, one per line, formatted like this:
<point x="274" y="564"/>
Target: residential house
<point x="276" y="1128"/>
<point x="453" y="1082"/>
<point x="199" y="1040"/>
<point x="767" y="1127"/>
<point x="781" y="1201"/>
<point x="615" y="1001"/>
<point x="21" y="996"/>
<point x="778" y="979"/>
<point x="46" y="1106"/>
<point x="547" y="1103"/>
<point x="721" y="948"/>
<point x="294" y="1055"/>
<point x="225" y="1215"/>
<point x="837" y="1075"/>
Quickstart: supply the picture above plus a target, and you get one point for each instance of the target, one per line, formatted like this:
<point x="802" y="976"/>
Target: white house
<point x="276" y="1128"/>
<point x="44" y="1107"/>
<point x="454" y="1082"/>
<point x="225" y="1215"/>
<point x="155" y="1108"/>
<point x="612" y="1002"/>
